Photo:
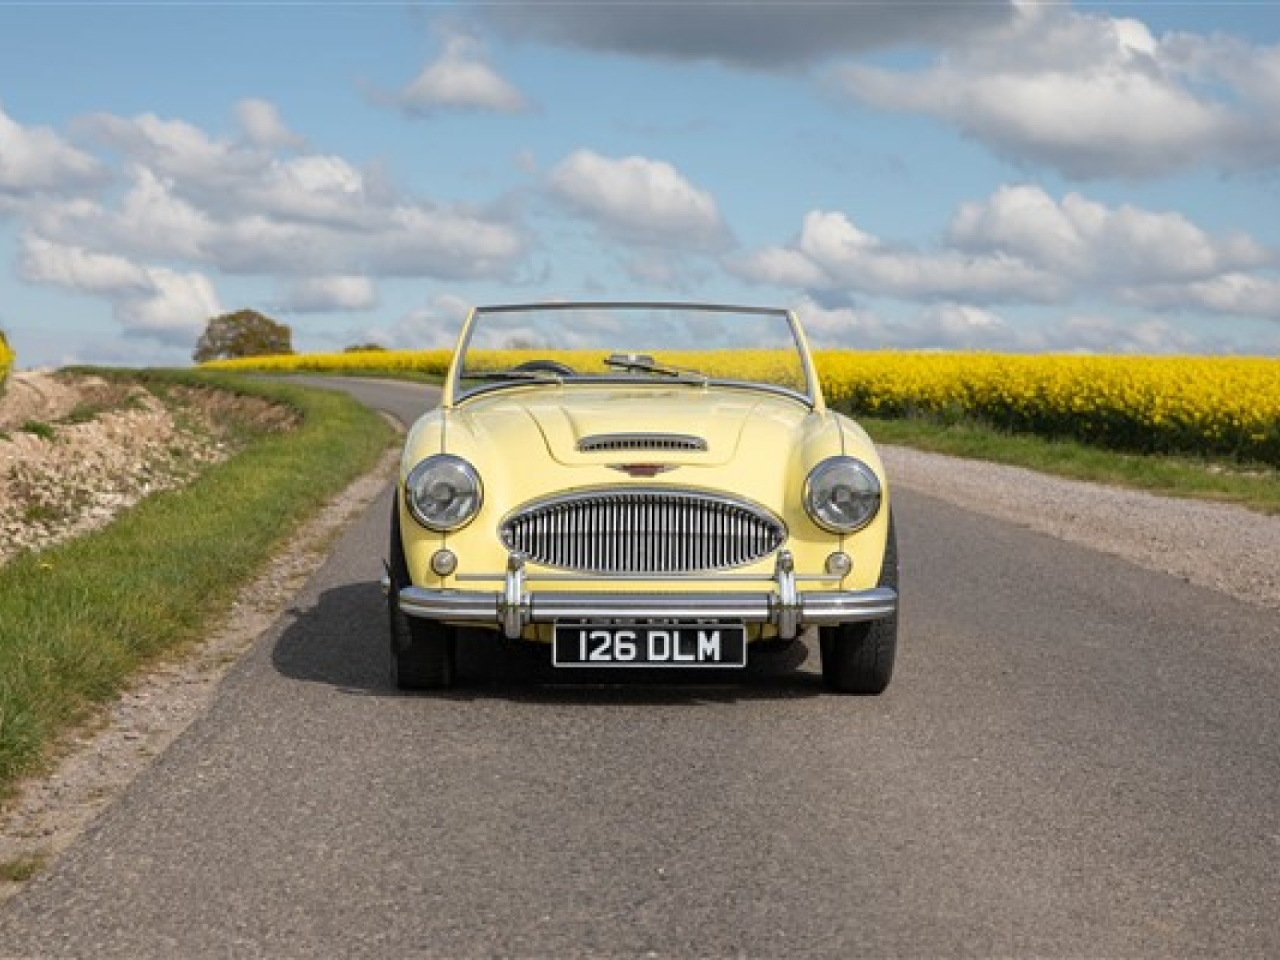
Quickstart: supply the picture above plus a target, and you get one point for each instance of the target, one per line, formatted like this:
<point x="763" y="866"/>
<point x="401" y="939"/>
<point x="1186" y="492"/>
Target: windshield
<point x="631" y="343"/>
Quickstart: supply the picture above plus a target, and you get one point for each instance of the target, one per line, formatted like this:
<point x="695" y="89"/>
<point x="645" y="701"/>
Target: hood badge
<point x="643" y="470"/>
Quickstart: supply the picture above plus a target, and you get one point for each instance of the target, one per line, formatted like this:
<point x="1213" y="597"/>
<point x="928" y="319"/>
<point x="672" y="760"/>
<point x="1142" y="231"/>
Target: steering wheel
<point x="545" y="366"/>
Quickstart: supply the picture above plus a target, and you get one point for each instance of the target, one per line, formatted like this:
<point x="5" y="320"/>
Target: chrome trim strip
<point x="492" y="609"/>
<point x="531" y="577"/>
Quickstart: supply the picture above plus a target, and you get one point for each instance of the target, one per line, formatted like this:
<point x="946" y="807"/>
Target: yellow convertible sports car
<point x="640" y="485"/>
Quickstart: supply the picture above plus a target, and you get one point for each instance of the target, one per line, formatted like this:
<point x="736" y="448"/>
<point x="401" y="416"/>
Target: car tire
<point x="858" y="657"/>
<point x="423" y="652"/>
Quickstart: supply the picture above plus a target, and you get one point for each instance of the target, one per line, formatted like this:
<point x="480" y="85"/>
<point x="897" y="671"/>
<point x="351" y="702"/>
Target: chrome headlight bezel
<point x="842" y="494"/>
<point x="443" y="492"/>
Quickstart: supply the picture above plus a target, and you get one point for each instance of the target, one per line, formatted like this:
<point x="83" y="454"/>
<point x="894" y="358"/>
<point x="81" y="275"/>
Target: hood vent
<point x="643" y="442"/>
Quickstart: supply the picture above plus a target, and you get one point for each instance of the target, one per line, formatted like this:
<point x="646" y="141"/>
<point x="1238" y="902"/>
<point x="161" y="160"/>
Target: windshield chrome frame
<point x="453" y="394"/>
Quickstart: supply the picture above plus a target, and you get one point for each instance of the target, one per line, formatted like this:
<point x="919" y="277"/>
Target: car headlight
<point x="443" y="492"/>
<point x="842" y="494"/>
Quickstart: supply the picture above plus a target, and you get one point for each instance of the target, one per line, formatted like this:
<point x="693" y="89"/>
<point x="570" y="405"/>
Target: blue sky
<point x="967" y="175"/>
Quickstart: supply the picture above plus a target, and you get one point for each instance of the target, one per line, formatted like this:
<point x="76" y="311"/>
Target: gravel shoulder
<point x="1219" y="546"/>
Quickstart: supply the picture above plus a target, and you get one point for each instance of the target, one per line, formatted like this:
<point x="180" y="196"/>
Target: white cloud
<point x="433" y="326"/>
<point x="242" y="210"/>
<point x="638" y="199"/>
<point x="940" y="326"/>
<point x="149" y="221"/>
<point x="36" y="159"/>
<point x="154" y="302"/>
<point x="1231" y="294"/>
<point x="834" y="327"/>
<point x="1084" y="239"/>
<point x="832" y="253"/>
<point x="260" y="120"/>
<point x="1094" y="96"/>
<point x="1105" y="335"/>
<point x="958" y="326"/>
<point x="76" y="268"/>
<point x="323" y="189"/>
<point x="461" y="79"/>
<point x="176" y="150"/>
<point x="175" y="311"/>
<point x="331" y="294"/>
<point x="1022" y="246"/>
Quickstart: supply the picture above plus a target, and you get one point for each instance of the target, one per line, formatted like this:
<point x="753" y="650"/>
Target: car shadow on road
<point x="342" y="642"/>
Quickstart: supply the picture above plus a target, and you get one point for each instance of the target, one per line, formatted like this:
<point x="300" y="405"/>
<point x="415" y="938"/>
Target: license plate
<point x="649" y="645"/>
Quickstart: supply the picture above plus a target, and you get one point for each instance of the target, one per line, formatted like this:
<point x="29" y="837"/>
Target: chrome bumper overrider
<point x="514" y="607"/>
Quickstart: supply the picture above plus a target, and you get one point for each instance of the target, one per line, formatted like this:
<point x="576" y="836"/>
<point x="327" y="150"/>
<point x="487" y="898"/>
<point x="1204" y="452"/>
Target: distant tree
<point x="245" y="333"/>
<point x="363" y="347"/>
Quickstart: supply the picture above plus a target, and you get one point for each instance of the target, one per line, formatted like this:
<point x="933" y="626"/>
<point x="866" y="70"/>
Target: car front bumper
<point x="784" y="606"/>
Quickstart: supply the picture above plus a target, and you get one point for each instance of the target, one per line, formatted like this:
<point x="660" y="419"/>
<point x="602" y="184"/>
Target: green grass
<point x="370" y="373"/>
<point x="22" y="869"/>
<point x="1256" y="486"/>
<point x="39" y="429"/>
<point x="78" y="620"/>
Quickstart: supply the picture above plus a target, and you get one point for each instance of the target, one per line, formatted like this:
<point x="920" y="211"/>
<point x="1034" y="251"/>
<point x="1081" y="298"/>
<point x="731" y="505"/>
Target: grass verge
<point x="76" y="621"/>
<point x="1256" y="486"/>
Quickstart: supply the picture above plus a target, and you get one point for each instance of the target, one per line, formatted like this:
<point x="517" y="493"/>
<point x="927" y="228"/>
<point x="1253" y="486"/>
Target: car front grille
<point x="643" y="531"/>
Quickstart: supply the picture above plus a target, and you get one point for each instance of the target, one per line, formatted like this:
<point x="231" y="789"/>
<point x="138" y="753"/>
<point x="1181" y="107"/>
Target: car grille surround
<point x="643" y="531"/>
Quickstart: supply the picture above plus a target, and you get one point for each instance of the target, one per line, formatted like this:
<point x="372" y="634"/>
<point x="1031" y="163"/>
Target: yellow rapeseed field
<point x="1201" y="405"/>
<point x="1226" y="406"/>
<point x="6" y="359"/>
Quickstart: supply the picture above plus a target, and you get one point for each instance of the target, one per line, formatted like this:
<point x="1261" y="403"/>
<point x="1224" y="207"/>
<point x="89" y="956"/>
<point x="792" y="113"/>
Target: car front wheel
<point x="858" y="657"/>
<point x="423" y="653"/>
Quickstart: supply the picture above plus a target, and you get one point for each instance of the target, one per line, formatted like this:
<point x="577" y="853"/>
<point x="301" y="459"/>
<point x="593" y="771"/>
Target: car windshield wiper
<point x="642" y="363"/>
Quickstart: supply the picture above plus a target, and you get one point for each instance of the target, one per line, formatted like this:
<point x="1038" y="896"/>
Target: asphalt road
<point x="1077" y="757"/>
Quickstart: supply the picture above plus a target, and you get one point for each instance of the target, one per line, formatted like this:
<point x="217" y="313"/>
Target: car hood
<point x="682" y="425"/>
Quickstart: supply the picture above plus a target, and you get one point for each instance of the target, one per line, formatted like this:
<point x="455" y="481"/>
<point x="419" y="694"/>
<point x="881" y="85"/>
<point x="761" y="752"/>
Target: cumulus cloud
<point x="331" y="294"/>
<point x="36" y="160"/>
<point x="461" y="79"/>
<point x="156" y="302"/>
<point x="1084" y="239"/>
<point x="638" y="199"/>
<point x="174" y="311"/>
<point x="959" y="326"/>
<point x="833" y="253"/>
<point x="263" y="127"/>
<point x="79" y="269"/>
<point x="240" y="209"/>
<point x="761" y="36"/>
<point x="432" y="326"/>
<point x="194" y="205"/>
<point x="1022" y="246"/>
<point x="174" y="149"/>
<point x="1231" y="294"/>
<point x="1092" y="95"/>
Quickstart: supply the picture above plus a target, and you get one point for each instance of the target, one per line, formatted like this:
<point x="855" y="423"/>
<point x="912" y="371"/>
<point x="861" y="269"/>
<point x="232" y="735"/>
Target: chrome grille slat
<point x="645" y="530"/>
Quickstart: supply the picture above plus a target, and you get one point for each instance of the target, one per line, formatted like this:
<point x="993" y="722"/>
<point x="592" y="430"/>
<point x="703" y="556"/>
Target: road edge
<point x="95" y="764"/>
